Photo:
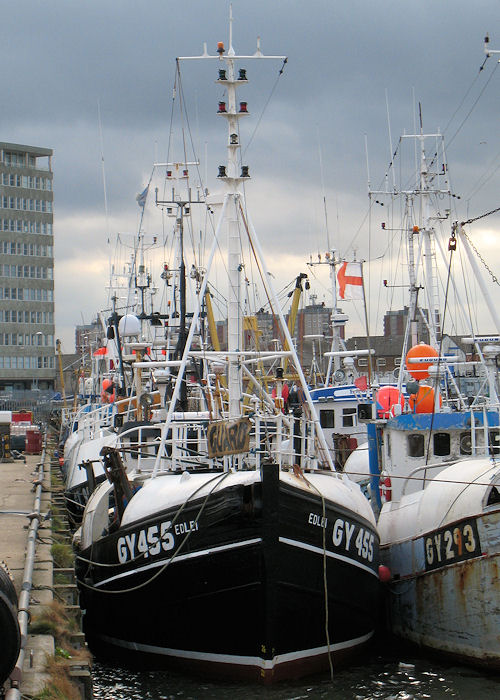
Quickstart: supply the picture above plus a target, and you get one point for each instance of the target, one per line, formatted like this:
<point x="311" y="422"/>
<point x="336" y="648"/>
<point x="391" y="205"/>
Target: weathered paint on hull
<point x="454" y="609"/>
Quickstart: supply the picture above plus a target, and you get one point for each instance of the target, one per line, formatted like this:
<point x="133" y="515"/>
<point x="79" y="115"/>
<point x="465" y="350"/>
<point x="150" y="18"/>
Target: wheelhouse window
<point x="327" y="418"/>
<point x="494" y="442"/>
<point x="415" y="445"/>
<point x="349" y="417"/>
<point x="493" y="497"/>
<point x="441" y="444"/>
<point x="465" y="443"/>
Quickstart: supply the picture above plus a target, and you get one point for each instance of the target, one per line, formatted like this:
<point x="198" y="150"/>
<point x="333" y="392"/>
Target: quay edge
<point x="29" y="512"/>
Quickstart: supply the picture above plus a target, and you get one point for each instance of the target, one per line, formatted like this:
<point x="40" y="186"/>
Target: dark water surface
<point x="396" y="675"/>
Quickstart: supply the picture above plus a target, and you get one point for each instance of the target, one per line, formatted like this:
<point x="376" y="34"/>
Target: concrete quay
<point x="17" y="494"/>
<point x="19" y="497"/>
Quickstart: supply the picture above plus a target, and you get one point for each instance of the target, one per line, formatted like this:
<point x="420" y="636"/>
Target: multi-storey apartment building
<point x="27" y="345"/>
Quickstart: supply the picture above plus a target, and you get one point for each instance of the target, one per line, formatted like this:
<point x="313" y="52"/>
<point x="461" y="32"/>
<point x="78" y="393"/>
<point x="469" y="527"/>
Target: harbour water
<point x="397" y="674"/>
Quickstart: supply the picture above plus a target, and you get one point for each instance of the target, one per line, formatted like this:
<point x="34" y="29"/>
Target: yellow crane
<point x="294" y="309"/>
<point x="61" y="373"/>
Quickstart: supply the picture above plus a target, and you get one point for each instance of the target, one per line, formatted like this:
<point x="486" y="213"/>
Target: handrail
<point x="23" y="615"/>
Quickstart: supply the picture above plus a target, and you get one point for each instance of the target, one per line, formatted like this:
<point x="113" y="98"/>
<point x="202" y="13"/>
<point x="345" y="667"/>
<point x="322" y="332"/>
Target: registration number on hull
<point x="452" y="544"/>
<point x="347" y="537"/>
<point x="150" y="541"/>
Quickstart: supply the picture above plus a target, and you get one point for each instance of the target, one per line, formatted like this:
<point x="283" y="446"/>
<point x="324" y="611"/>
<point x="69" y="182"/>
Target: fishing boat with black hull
<point x="233" y="548"/>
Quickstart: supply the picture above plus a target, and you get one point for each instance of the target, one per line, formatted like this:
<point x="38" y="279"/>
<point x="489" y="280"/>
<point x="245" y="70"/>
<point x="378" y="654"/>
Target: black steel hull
<point x="245" y="596"/>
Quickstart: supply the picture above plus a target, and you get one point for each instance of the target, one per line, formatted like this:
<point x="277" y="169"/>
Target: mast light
<point x="222" y="108"/>
<point x="220" y="48"/>
<point x="222" y="171"/>
<point x="243" y="107"/>
<point x="244" y="171"/>
<point x="233" y="139"/>
<point x="222" y="74"/>
<point x="242" y="75"/>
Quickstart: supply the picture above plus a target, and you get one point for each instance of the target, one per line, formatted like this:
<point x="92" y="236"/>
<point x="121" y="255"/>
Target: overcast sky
<point x="349" y="65"/>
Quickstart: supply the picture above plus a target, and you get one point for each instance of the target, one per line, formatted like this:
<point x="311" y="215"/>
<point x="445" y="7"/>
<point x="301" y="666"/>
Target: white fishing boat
<point x="436" y="459"/>
<point x="129" y="332"/>
<point x="224" y="541"/>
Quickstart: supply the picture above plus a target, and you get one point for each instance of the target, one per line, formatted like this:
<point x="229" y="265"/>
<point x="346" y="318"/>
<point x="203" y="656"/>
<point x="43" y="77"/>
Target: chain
<point x="482" y="216"/>
<point x="493" y="277"/>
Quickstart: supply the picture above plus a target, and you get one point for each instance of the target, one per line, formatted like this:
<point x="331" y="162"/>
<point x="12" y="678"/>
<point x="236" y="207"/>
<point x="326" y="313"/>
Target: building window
<point x="381" y="362"/>
<point x="362" y="362"/>
<point x="327" y="418"/>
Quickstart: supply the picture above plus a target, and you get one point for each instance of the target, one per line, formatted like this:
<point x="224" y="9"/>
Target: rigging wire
<point x="450" y="141"/>
<point x="484" y="179"/>
<point x="280" y="73"/>
<point x="457" y="131"/>
<point x="440" y="352"/>
<point x="481" y="68"/>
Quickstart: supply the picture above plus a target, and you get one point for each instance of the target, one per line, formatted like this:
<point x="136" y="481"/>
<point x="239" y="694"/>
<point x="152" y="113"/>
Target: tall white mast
<point x="232" y="177"/>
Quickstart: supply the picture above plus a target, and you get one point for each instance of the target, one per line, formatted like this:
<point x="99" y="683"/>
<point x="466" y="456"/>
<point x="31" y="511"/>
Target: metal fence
<point x="39" y="402"/>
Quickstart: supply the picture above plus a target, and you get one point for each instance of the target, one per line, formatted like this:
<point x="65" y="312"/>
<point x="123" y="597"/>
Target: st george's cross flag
<point x="350" y="281"/>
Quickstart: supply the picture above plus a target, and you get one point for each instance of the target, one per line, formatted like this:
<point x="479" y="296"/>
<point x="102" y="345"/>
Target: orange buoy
<point x="387" y="398"/>
<point x="420" y="370"/>
<point x="423" y="400"/>
<point x="107" y="391"/>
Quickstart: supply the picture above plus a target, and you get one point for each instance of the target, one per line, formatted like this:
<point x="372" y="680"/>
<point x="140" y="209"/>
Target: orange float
<point x="107" y="391"/>
<point x="387" y="398"/>
<point x="420" y="370"/>
<point x="423" y="400"/>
